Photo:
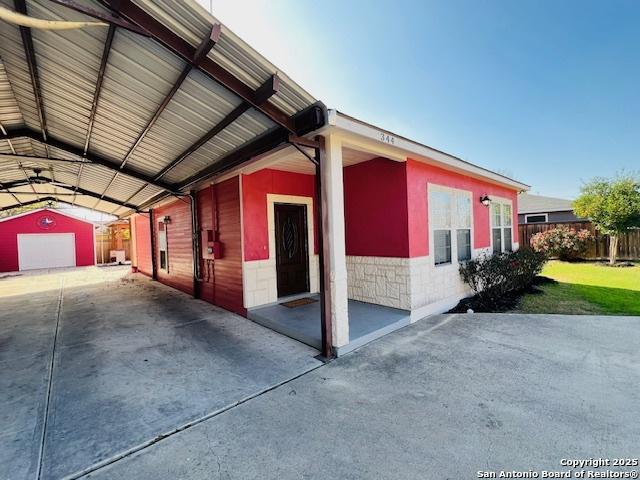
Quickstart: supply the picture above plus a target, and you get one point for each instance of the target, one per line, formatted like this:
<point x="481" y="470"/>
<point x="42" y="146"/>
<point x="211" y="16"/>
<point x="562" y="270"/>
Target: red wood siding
<point x="255" y="188"/>
<point x="419" y="174"/>
<point x="10" y="228"/>
<point x="375" y="209"/>
<point x="219" y="205"/>
<point x="142" y="243"/>
<point x="179" y="274"/>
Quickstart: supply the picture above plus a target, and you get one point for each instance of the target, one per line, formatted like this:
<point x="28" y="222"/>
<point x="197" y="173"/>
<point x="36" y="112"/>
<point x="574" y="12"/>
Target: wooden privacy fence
<point x="113" y="237"/>
<point x="628" y="247"/>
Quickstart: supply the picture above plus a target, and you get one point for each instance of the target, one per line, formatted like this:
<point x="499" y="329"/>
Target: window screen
<point x="162" y="246"/>
<point x="497" y="240"/>
<point x="463" y="240"/>
<point x="442" y="246"/>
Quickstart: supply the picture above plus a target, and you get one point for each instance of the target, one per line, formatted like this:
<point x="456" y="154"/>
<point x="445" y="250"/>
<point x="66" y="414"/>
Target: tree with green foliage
<point x="613" y="205"/>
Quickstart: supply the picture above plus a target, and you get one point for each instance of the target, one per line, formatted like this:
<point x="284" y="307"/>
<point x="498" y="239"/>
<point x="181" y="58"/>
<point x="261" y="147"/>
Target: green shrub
<point x="496" y="278"/>
<point x="562" y="242"/>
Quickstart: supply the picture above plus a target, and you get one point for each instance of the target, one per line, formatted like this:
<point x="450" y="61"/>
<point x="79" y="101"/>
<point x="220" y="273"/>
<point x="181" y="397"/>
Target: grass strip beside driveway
<point x="586" y="288"/>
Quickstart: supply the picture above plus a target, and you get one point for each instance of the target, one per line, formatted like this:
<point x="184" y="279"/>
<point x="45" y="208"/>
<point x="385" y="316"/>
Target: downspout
<point x="154" y="266"/>
<point x="195" y="244"/>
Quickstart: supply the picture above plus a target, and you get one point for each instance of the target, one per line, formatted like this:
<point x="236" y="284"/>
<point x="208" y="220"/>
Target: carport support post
<point x="334" y="260"/>
<point x="152" y="235"/>
<point x="325" y="300"/>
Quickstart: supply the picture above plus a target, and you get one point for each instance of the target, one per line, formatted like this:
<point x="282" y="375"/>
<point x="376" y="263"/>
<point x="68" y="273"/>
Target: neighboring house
<point x="45" y="238"/>
<point x="540" y="209"/>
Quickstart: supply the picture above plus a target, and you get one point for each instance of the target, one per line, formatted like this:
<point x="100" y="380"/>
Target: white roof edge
<point x="252" y="52"/>
<point x="359" y="127"/>
<point x="24" y="214"/>
<point x="544" y="210"/>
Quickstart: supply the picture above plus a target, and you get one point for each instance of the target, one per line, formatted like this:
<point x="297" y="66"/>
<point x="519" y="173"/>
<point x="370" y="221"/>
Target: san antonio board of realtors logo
<point x="46" y="222"/>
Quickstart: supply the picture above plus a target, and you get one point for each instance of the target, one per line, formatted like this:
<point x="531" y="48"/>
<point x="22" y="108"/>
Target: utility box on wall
<point x="211" y="249"/>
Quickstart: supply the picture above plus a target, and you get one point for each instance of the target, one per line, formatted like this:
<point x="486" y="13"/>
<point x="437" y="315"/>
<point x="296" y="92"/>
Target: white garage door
<point x="46" y="250"/>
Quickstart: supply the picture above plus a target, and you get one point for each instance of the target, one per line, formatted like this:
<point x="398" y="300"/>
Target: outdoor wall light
<point x="485" y="200"/>
<point x="166" y="219"/>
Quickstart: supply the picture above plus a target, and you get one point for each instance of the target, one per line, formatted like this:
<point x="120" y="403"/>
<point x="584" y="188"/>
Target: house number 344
<point x="386" y="138"/>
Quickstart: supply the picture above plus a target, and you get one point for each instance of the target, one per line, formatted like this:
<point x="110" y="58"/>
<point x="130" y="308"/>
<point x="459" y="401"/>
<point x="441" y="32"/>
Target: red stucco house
<point x="45" y="238"/>
<point x="400" y="217"/>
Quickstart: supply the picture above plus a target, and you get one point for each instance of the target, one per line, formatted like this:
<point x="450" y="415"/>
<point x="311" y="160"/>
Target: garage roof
<point x="117" y="117"/>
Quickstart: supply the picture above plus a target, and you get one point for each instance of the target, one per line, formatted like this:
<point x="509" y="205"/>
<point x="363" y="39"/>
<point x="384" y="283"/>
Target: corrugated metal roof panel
<point x="138" y="77"/>
<point x="142" y="195"/>
<point x="22" y="146"/>
<point x="122" y="187"/>
<point x="10" y="115"/>
<point x="67" y="80"/>
<point x="13" y="56"/>
<point x="196" y="108"/>
<point x="192" y="22"/>
<point x="249" y="126"/>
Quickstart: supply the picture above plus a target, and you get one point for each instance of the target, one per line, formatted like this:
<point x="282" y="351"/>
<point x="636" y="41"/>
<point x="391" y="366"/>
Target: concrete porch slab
<point x="367" y="322"/>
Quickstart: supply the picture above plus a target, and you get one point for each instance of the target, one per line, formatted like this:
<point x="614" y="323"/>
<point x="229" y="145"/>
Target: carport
<point x="148" y="106"/>
<point x="117" y="118"/>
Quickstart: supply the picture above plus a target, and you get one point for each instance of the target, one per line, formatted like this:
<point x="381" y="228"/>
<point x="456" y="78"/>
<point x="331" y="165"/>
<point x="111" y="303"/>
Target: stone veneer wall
<point x="414" y="284"/>
<point x="380" y="280"/>
<point x="260" y="281"/>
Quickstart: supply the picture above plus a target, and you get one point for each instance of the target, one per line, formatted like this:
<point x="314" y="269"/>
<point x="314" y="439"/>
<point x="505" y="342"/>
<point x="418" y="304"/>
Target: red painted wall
<point x="179" y="245"/>
<point x="255" y="188"/>
<point x="219" y="210"/>
<point x="9" y="230"/>
<point x="419" y="174"/>
<point x="375" y="205"/>
<point x="141" y="230"/>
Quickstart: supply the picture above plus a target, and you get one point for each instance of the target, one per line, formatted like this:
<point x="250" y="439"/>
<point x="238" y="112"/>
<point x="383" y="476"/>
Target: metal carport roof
<point x="117" y="117"/>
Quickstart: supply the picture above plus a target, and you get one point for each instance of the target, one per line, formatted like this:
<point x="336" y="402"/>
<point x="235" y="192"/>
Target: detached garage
<point x="45" y="238"/>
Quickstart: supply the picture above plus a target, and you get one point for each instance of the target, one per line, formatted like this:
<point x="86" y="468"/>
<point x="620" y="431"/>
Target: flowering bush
<point x="562" y="242"/>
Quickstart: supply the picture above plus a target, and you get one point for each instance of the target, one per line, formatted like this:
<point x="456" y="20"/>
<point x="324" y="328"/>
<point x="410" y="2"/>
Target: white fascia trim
<point x="400" y="146"/>
<point x="543" y="212"/>
<point x="30" y="212"/>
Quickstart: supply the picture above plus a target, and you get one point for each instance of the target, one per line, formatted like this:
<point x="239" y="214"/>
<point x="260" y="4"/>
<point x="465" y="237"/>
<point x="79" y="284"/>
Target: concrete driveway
<point x="442" y="399"/>
<point x="133" y="360"/>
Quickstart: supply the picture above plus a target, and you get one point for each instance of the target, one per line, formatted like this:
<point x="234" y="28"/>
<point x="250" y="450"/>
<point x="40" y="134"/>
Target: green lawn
<point x="586" y="288"/>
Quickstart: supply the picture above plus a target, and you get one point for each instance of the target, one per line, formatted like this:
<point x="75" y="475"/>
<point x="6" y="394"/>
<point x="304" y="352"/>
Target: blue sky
<point x="545" y="91"/>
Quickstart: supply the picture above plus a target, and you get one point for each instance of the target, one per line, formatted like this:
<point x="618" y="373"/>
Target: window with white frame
<point x="536" y="218"/>
<point x="450" y="219"/>
<point x="501" y="226"/>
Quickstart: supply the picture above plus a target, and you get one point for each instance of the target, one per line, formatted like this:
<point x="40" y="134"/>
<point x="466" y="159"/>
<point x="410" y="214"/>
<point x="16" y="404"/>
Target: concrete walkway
<point x="134" y="360"/>
<point x="444" y="398"/>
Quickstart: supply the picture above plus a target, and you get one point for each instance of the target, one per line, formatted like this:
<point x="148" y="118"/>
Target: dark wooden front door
<point x="292" y="257"/>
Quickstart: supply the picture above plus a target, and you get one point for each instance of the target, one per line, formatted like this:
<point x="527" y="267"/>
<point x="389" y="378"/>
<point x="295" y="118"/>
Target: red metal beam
<point x="30" y="202"/>
<point x="224" y="123"/>
<point x="81" y="191"/>
<point x="201" y="52"/>
<point x="266" y="91"/>
<point x="102" y="16"/>
<point x="96" y="94"/>
<point x="182" y="48"/>
<point x="30" y="54"/>
<point x="91" y="157"/>
<point x="96" y="97"/>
